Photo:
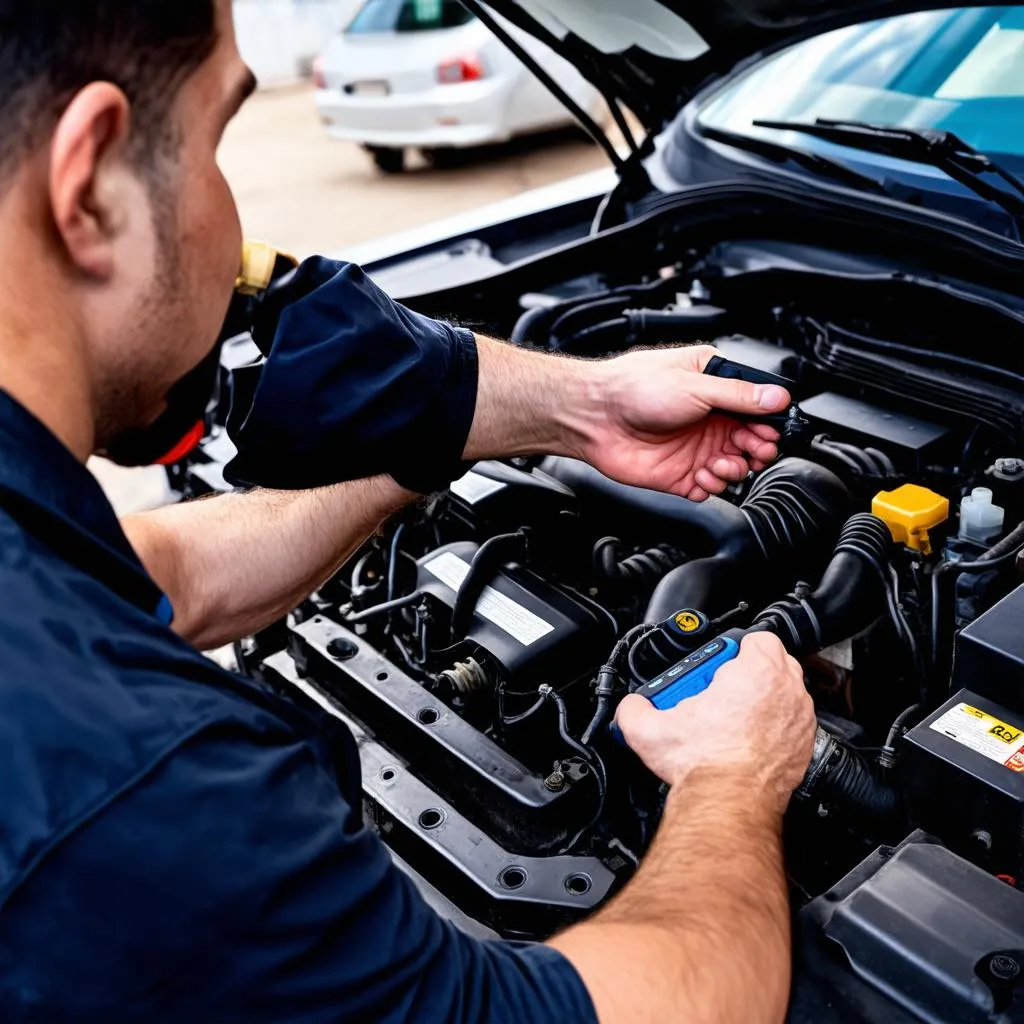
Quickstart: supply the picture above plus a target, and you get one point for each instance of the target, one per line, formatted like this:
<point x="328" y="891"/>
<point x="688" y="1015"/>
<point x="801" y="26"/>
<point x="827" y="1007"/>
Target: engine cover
<point x="532" y="630"/>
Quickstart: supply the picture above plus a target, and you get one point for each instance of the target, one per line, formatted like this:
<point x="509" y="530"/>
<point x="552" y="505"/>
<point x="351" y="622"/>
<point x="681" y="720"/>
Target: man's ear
<point x="86" y="154"/>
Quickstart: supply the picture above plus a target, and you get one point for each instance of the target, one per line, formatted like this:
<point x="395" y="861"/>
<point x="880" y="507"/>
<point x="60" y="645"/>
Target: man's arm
<point x="701" y="934"/>
<point x="235" y="563"/>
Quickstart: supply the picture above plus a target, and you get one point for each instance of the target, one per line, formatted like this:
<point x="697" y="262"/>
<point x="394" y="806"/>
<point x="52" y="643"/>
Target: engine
<point x="479" y="646"/>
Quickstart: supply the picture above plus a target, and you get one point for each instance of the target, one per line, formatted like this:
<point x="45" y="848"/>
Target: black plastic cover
<point x="973" y="802"/>
<point x="912" y="934"/>
<point x="989" y="655"/>
<point x="535" y="632"/>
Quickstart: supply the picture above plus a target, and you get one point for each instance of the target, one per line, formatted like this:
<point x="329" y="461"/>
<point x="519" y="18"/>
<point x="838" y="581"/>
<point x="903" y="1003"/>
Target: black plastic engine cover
<point x="911" y="934"/>
<point x="535" y="632"/>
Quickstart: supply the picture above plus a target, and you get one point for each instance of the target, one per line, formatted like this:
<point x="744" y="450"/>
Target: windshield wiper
<point x="940" y="149"/>
<point x="820" y="165"/>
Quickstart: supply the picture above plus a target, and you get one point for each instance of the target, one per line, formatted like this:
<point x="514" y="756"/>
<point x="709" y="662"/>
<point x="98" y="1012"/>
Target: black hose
<point x="524" y="325"/>
<point x="847" y="779"/>
<point x="386" y="606"/>
<point x="637" y="571"/>
<point x="788" y="521"/>
<point x="490" y="557"/>
<point x="606" y="677"/>
<point x="530" y="711"/>
<point x="887" y="755"/>
<point x="396" y="545"/>
<point x="590" y="756"/>
<point x="852" y="593"/>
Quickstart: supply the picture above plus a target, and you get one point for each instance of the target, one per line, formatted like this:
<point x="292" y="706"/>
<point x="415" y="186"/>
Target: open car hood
<point x="652" y="56"/>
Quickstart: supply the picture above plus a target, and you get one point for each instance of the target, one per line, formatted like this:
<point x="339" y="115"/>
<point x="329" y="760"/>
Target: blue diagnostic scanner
<point x="692" y="675"/>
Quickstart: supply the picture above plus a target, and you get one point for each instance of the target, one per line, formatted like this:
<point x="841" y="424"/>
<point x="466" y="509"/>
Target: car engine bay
<point x="478" y="646"/>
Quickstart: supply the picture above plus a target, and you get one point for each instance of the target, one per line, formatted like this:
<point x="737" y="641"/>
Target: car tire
<point x="388" y="160"/>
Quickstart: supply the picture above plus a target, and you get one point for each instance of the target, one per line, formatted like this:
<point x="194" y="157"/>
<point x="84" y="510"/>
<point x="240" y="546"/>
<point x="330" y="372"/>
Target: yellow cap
<point x="910" y="512"/>
<point x="257" y="269"/>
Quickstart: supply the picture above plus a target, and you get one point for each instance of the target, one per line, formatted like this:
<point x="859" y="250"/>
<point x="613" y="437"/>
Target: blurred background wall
<point x="280" y="38"/>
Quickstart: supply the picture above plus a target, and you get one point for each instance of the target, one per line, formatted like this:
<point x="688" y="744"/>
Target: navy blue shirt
<point x="181" y="844"/>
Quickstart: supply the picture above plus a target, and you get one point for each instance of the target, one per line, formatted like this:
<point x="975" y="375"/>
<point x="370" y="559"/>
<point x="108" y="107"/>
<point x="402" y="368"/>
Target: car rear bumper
<point x="464" y="114"/>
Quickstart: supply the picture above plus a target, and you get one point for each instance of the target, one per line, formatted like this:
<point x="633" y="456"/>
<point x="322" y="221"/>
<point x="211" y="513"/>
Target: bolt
<point x="342" y="648"/>
<point x="1003" y="967"/>
<point x="1010" y="467"/>
<point x="983" y="839"/>
<point x="555" y="782"/>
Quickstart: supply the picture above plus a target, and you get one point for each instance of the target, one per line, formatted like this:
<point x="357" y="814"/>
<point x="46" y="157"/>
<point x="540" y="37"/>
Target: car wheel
<point x="388" y="160"/>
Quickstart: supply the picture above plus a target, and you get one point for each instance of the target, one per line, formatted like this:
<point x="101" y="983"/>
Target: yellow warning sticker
<point x="985" y="734"/>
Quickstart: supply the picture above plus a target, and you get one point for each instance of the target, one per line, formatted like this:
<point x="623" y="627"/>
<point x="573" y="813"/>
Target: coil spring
<point x="467" y="678"/>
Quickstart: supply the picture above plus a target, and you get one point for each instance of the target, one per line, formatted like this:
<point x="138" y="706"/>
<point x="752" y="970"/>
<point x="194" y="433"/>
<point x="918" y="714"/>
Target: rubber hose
<point x="788" y="520"/>
<point x="851" y="782"/>
<point x="490" y="557"/>
<point x="850" y="597"/>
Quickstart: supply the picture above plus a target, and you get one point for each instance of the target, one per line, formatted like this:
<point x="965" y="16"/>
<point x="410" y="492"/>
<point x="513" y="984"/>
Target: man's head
<point x="119" y="237"/>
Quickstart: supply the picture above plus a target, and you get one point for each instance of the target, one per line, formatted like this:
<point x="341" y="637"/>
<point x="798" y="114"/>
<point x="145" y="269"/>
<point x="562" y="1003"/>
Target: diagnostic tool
<point x="693" y="674"/>
<point x="790" y="422"/>
<point x="690" y="676"/>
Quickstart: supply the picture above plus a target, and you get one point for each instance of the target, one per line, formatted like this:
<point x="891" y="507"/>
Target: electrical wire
<point x="385" y="606"/>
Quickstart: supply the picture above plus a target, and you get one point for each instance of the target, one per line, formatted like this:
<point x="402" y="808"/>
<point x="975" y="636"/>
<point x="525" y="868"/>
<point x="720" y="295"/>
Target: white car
<point x="429" y="74"/>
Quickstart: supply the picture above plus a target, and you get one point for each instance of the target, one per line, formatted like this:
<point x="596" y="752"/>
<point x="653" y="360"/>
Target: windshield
<point x="408" y="16"/>
<point x="961" y="71"/>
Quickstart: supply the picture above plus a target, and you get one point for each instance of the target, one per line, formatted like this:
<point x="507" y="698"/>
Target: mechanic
<point x="178" y="843"/>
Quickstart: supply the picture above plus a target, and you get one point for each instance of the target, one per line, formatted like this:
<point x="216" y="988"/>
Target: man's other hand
<point x="756" y="721"/>
<point x="654" y="420"/>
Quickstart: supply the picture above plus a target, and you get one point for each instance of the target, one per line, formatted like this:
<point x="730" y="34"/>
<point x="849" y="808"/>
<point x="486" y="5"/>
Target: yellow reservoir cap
<point x="910" y="512"/>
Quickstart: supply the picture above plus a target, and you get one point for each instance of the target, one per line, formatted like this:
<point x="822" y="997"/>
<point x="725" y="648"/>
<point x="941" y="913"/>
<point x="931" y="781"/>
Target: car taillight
<point x="319" y="78"/>
<point x="465" y="68"/>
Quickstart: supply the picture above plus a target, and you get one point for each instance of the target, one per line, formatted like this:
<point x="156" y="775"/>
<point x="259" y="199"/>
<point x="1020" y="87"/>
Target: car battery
<point x="962" y="771"/>
<point x="989" y="653"/>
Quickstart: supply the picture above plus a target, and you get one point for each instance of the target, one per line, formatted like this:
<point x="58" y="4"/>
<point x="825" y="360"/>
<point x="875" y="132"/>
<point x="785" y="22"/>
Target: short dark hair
<point x="51" y="49"/>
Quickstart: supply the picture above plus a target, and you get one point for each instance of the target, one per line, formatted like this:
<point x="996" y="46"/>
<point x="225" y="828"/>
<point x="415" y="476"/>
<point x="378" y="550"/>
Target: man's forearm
<point x="701" y="934"/>
<point x="528" y="402"/>
<point x="238" y="562"/>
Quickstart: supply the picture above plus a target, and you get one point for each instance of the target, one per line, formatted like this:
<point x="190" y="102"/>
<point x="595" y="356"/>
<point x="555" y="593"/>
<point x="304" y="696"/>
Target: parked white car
<point x="428" y="74"/>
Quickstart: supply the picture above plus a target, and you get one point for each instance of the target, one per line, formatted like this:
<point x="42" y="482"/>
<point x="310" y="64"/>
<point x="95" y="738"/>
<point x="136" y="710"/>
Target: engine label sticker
<point x="985" y="734"/>
<point x="474" y="487"/>
<point x="520" y="623"/>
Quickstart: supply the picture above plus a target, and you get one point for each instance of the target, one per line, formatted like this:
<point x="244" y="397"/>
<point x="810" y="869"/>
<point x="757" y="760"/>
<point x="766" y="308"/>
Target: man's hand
<point x="644" y="418"/>
<point x="654" y="425"/>
<point x="701" y="932"/>
<point x="756" y="721"/>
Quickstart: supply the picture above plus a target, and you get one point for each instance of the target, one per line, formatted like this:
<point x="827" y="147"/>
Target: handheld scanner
<point x="690" y="676"/>
<point x="785" y="421"/>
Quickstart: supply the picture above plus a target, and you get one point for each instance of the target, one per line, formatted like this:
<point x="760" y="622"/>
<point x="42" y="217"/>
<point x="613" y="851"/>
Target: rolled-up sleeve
<point x="353" y="384"/>
<point x="236" y="884"/>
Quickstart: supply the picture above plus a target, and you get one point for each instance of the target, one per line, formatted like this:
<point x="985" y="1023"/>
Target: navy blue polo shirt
<point x="178" y="843"/>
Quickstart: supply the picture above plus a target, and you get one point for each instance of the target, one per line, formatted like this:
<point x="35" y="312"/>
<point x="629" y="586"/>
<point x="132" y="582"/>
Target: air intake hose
<point x="843" y="777"/>
<point x="786" y="522"/>
<point x="789" y="519"/>
<point x="850" y="597"/>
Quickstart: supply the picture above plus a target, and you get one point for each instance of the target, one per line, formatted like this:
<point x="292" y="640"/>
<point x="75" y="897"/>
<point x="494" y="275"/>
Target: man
<point x="178" y="844"/>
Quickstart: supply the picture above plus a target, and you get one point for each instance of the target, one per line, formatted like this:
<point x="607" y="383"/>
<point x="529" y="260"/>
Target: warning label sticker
<point x="520" y="623"/>
<point x="985" y="734"/>
<point x="474" y="487"/>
